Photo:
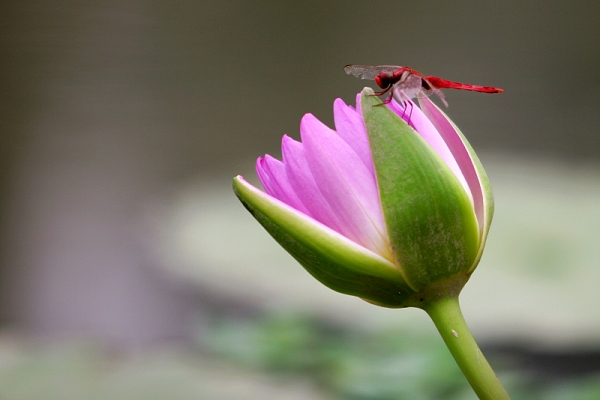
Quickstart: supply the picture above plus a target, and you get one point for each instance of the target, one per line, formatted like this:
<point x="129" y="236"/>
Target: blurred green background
<point x="128" y="269"/>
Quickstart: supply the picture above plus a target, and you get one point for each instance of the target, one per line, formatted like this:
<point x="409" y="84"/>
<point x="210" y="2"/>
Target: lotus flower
<point x="390" y="207"/>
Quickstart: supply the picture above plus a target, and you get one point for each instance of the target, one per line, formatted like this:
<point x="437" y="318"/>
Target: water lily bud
<point x="392" y="207"/>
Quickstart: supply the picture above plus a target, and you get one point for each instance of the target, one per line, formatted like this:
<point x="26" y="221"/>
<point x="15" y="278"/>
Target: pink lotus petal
<point x="303" y="183"/>
<point x="272" y="175"/>
<point x="349" y="125"/>
<point x="335" y="235"/>
<point x="454" y="141"/>
<point x="423" y="125"/>
<point x="346" y="183"/>
<point x="265" y="177"/>
<point x="358" y="110"/>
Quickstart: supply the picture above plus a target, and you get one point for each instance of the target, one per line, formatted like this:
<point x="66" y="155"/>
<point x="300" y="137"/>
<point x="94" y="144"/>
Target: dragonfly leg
<point x="382" y="92"/>
<point x="406" y="104"/>
<point x="388" y="100"/>
<point x="408" y="121"/>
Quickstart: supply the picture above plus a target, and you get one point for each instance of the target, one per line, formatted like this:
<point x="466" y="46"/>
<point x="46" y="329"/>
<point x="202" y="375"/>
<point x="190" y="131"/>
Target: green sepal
<point x="430" y="220"/>
<point x="332" y="259"/>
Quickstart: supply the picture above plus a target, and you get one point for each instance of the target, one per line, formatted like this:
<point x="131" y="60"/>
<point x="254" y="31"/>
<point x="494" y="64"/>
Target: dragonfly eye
<point x="383" y="80"/>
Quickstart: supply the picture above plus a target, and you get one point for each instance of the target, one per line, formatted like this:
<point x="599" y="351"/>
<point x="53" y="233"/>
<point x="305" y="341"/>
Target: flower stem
<point x="448" y="319"/>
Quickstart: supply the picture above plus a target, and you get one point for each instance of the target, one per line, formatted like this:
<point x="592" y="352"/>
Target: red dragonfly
<point x="406" y="83"/>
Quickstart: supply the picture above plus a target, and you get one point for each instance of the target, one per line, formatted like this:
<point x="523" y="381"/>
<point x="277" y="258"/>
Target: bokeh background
<point x="129" y="270"/>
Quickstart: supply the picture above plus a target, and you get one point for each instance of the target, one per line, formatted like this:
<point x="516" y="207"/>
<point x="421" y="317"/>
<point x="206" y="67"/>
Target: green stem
<point x="448" y="319"/>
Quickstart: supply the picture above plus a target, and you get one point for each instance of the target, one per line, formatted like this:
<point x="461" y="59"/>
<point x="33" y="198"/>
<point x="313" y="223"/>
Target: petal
<point x="273" y="177"/>
<point x="265" y="178"/>
<point x="336" y="261"/>
<point x="455" y="143"/>
<point x="428" y="131"/>
<point x="303" y="183"/>
<point x="347" y="185"/>
<point x="350" y="126"/>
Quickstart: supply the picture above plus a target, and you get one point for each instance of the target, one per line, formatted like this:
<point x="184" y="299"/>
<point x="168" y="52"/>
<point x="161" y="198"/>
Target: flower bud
<point x="391" y="207"/>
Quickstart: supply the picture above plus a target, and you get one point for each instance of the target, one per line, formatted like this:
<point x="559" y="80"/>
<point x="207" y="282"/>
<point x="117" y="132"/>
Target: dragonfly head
<point x="383" y="79"/>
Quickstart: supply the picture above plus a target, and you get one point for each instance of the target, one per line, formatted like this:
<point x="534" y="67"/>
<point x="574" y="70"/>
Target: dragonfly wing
<point x="369" y="71"/>
<point x="426" y="93"/>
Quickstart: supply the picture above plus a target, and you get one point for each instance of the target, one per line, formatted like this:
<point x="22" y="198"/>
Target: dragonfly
<point x="406" y="83"/>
